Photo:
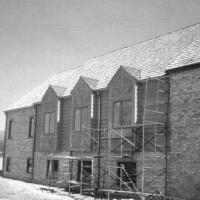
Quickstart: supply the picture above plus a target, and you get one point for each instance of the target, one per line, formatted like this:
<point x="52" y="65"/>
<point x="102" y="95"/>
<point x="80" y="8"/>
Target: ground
<point x="19" y="190"/>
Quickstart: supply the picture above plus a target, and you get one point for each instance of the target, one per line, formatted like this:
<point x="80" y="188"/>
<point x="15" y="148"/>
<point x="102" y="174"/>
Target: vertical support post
<point x="81" y="178"/>
<point x="120" y="177"/>
<point x="109" y="157"/>
<point x="167" y="137"/>
<point x="157" y="95"/>
<point x="155" y="135"/>
<point x="121" y="143"/>
<point x="92" y="181"/>
<point x="143" y="139"/>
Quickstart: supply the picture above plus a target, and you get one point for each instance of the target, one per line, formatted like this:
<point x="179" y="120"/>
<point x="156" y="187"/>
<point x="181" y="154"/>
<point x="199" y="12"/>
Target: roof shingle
<point x="152" y="57"/>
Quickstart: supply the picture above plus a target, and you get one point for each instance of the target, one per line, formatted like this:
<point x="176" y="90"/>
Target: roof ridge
<point x="146" y="40"/>
<point x="67" y="70"/>
<point x="53" y="85"/>
<point x="87" y="77"/>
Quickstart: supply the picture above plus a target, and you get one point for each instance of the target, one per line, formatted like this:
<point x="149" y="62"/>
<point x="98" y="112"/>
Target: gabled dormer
<point x="51" y="118"/>
<point x="83" y="97"/>
<point x="53" y="93"/>
<point x="123" y="97"/>
<point x="83" y="108"/>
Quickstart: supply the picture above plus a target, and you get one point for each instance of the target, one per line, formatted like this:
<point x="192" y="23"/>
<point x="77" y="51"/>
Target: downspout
<point x="34" y="141"/>
<point x="99" y="137"/>
<point x="167" y="143"/>
<point x="4" y="147"/>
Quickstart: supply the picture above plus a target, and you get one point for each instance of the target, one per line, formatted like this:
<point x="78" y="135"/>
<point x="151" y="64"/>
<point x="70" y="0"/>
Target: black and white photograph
<point x="100" y="99"/>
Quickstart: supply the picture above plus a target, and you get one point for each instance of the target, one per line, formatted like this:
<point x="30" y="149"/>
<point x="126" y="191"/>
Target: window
<point x="92" y="106"/>
<point x="29" y="165"/>
<point x="122" y="113"/>
<point x="52" y="169"/>
<point x="49" y="123"/>
<point x="80" y="119"/>
<point x="126" y="171"/>
<point x="31" y="127"/>
<point x="136" y="103"/>
<point x="8" y="164"/>
<point x="86" y="171"/>
<point x="10" y="129"/>
<point x="58" y="111"/>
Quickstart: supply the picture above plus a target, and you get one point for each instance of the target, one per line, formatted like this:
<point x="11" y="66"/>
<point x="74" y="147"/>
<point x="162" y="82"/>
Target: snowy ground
<point x="19" y="190"/>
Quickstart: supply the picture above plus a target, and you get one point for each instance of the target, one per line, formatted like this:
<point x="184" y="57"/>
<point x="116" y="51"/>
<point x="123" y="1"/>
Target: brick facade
<point x="19" y="147"/>
<point x="184" y="162"/>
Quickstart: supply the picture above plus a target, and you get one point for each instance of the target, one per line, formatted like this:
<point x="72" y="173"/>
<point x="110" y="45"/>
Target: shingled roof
<point x="152" y="57"/>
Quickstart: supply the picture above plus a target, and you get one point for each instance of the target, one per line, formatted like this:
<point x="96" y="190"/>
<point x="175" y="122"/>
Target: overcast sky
<point x="41" y="37"/>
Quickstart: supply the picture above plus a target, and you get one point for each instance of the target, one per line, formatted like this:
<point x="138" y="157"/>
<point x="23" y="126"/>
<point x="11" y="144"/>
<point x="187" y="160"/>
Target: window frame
<point x="87" y="167"/>
<point x="121" y="113"/>
<point x="8" y="164"/>
<point x="10" y="129"/>
<point x="52" y="174"/>
<point x="31" y="127"/>
<point x="49" y="123"/>
<point x="74" y="123"/>
<point x="29" y="167"/>
<point x="133" y="176"/>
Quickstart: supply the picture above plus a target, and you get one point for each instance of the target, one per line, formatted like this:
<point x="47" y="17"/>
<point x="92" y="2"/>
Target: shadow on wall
<point x="1" y="150"/>
<point x="1" y="141"/>
<point x="1" y="164"/>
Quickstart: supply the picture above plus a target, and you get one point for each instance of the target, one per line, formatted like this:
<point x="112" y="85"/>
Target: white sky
<point x="41" y="37"/>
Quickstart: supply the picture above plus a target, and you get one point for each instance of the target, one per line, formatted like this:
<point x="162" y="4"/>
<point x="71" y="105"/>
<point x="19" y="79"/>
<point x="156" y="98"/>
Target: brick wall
<point x="184" y="165"/>
<point x="20" y="146"/>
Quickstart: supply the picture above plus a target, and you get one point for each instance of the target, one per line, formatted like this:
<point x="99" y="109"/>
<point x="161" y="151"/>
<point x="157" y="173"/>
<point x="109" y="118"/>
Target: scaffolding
<point x="146" y="143"/>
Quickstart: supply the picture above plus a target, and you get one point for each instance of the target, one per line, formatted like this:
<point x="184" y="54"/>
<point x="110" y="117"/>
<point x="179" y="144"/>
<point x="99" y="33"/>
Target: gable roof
<point x="92" y="83"/>
<point x="152" y="57"/>
<point x="60" y="91"/>
<point x="133" y="72"/>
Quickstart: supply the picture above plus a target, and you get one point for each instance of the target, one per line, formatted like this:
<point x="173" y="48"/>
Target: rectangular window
<point x="8" y="164"/>
<point x="49" y="123"/>
<point x="80" y="119"/>
<point x="136" y="104"/>
<point x="126" y="171"/>
<point x="117" y="114"/>
<point x="10" y="129"/>
<point x="122" y="113"/>
<point x="92" y="106"/>
<point x="58" y="111"/>
<point x="126" y="113"/>
<point x="29" y="165"/>
<point x="77" y="120"/>
<point x="86" y="171"/>
<point x="52" y="169"/>
<point x="31" y="127"/>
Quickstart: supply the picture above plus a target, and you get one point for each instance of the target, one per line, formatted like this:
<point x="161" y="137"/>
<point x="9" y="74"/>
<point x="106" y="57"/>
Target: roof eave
<point x="185" y="67"/>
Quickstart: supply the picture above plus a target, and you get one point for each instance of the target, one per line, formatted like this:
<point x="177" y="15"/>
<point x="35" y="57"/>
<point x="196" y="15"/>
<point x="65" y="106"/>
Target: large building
<point x="125" y="121"/>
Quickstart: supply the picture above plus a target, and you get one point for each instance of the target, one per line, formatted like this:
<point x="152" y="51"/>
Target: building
<point x="125" y="121"/>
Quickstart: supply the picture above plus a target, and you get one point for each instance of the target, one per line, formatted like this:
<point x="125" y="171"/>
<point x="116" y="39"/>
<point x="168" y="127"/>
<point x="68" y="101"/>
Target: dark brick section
<point x="184" y="166"/>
